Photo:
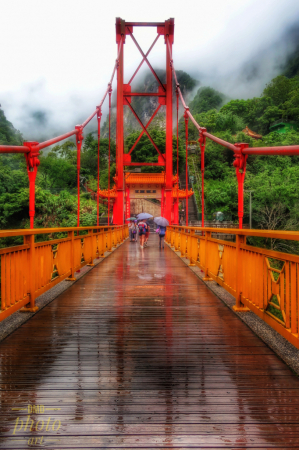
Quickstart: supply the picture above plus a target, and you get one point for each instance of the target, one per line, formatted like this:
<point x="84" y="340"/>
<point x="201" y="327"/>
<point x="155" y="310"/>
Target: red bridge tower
<point x="124" y="96"/>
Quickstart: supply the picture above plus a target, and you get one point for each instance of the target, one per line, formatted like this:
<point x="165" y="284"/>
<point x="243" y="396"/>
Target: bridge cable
<point x="99" y="115"/>
<point x="177" y="152"/>
<point x="162" y="196"/>
<point x="186" y="133"/>
<point x="110" y="91"/>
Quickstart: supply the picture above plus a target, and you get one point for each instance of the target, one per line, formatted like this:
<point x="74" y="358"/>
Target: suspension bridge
<point x="139" y="352"/>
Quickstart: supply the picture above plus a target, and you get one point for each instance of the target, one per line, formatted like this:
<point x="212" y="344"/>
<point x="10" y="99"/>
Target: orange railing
<point x="263" y="281"/>
<point x="31" y="269"/>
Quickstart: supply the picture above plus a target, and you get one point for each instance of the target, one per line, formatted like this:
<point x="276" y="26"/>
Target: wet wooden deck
<point x="140" y="354"/>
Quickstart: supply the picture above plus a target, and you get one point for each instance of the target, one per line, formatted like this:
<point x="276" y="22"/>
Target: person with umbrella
<point x="147" y="233"/>
<point x="162" y="223"/>
<point x="131" y="228"/>
<point x="134" y="232"/>
<point x="142" y="226"/>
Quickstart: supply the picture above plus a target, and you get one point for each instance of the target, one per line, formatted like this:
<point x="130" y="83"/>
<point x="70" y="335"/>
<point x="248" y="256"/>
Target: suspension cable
<point x="110" y="91"/>
<point x="99" y="115"/>
<point x="107" y="90"/>
<point x="201" y="130"/>
<point x="163" y="199"/>
<point x="186" y="133"/>
<point x="177" y="151"/>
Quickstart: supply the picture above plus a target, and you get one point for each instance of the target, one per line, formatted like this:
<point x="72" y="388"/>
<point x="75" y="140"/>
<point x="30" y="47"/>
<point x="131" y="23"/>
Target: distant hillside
<point x="8" y="134"/>
<point x="292" y="66"/>
<point x="206" y="99"/>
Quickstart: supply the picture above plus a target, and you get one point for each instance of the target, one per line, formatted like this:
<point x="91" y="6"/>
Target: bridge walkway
<point x="139" y="353"/>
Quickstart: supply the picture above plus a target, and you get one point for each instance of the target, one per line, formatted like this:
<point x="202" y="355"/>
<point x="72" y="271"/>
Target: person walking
<point x="162" y="232"/>
<point x="163" y="224"/>
<point x="131" y="228"/>
<point x="134" y="231"/>
<point x="142" y="231"/>
<point x="147" y="232"/>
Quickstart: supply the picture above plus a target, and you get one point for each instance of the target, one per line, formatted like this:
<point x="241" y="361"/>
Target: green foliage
<point x="61" y="210"/>
<point x="57" y="173"/>
<point x="280" y="99"/>
<point x="55" y="196"/>
<point x="206" y="99"/>
<point x="291" y="67"/>
<point x="252" y="111"/>
<point x="8" y="134"/>
<point x="280" y="88"/>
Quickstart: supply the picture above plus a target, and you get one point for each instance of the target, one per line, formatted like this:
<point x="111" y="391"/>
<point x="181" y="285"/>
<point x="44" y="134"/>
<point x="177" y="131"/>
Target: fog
<point x="57" y="56"/>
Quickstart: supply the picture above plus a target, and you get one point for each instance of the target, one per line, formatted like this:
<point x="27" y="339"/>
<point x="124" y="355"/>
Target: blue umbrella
<point x="161" y="221"/>
<point x="143" y="216"/>
<point x="131" y="218"/>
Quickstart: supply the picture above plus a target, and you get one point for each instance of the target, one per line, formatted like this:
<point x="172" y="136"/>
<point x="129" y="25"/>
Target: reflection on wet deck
<point x="140" y="354"/>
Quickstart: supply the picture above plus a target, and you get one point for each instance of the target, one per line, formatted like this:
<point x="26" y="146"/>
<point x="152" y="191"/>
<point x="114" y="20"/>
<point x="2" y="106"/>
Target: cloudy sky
<point x="56" y="56"/>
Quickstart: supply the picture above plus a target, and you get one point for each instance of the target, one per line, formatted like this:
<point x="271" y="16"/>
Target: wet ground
<point x="141" y="354"/>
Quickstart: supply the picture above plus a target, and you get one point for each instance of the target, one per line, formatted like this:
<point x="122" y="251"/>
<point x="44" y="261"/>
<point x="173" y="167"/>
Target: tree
<point x="57" y="172"/>
<point x="279" y="89"/>
<point x="206" y="99"/>
<point x="67" y="150"/>
<point x="8" y="134"/>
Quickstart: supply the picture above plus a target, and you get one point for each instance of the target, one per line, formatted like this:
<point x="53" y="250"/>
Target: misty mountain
<point x="8" y="134"/>
<point x="291" y="66"/>
<point x="145" y="106"/>
<point x="249" y="79"/>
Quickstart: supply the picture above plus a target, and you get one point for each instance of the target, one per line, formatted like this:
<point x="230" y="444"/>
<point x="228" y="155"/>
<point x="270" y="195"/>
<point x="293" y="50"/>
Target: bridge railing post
<point x="207" y="238"/>
<point x="176" y="239"/>
<point x="71" y="234"/>
<point x="31" y="291"/>
<point x="93" y="252"/>
<point x="109" y="240"/>
<point x="193" y="243"/>
<point x="239" y="269"/>
<point x="188" y="246"/>
<point x="183" y="242"/>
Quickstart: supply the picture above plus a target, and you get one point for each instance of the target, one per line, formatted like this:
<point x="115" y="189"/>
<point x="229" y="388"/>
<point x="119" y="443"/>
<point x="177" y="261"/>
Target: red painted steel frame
<point x="202" y="143"/>
<point x="142" y="132"/>
<point x="143" y="59"/>
<point x="99" y="116"/>
<point x="143" y="164"/>
<point x="79" y="140"/>
<point x="176" y="206"/>
<point x="186" y="137"/>
<point x="143" y="127"/>
<point x="32" y="163"/>
<point x="118" y="207"/>
<point x="168" y="33"/>
<point x="109" y="155"/>
<point x="124" y="96"/>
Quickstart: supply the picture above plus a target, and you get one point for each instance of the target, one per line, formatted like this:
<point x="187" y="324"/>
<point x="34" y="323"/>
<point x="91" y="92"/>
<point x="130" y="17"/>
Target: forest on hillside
<point x="273" y="180"/>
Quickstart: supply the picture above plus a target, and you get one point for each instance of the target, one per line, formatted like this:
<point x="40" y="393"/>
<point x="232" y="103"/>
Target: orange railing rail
<point x="262" y="280"/>
<point x="31" y="269"/>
